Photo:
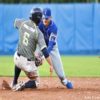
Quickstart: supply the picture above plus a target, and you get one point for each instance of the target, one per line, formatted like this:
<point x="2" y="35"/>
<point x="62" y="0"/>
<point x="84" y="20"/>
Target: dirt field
<point x="52" y="89"/>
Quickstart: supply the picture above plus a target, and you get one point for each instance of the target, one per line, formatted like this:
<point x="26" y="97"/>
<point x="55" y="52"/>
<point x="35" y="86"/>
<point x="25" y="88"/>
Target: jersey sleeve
<point x="40" y="26"/>
<point x="54" y="29"/>
<point x="41" y="41"/>
<point x="53" y="34"/>
<point x="18" y="22"/>
<point x="52" y="39"/>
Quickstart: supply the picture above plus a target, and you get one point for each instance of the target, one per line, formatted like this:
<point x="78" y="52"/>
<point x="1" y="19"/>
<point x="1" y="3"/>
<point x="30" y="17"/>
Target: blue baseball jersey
<point x="49" y="32"/>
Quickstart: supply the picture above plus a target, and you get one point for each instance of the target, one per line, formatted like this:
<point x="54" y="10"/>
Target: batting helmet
<point x="36" y="15"/>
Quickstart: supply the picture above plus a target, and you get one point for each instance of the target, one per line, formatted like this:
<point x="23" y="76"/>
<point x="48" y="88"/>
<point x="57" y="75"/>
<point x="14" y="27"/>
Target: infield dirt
<point x="51" y="89"/>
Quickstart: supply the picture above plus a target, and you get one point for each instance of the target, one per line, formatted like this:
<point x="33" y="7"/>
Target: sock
<point x="64" y="82"/>
<point x="30" y="84"/>
<point x="16" y="74"/>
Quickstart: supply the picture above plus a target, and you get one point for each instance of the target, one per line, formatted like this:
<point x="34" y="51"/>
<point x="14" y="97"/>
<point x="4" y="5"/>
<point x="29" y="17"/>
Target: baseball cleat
<point x="18" y="87"/>
<point x="69" y="85"/>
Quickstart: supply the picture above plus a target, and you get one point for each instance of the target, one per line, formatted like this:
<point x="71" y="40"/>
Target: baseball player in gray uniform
<point x="29" y="37"/>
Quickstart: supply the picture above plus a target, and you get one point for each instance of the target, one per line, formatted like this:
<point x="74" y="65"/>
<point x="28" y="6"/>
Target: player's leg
<point x="17" y="72"/>
<point x="31" y="71"/>
<point x="33" y="76"/>
<point x="22" y="63"/>
<point x="57" y="63"/>
<point x="58" y="67"/>
<point x="33" y="79"/>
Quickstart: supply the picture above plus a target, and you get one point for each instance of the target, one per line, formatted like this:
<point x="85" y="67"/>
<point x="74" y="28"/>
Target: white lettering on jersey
<point x="29" y="28"/>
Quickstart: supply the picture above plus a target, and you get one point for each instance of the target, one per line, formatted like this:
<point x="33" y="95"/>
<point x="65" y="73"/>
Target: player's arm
<point x="42" y="45"/>
<point x="46" y="54"/>
<point x="18" y="22"/>
<point x="52" y="40"/>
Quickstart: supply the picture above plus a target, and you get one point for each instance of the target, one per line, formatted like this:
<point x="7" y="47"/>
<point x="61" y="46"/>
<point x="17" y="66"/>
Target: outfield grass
<point x="74" y="66"/>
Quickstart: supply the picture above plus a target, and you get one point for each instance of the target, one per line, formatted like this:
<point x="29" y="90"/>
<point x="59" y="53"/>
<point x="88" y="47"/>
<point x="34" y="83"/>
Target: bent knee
<point x="32" y="75"/>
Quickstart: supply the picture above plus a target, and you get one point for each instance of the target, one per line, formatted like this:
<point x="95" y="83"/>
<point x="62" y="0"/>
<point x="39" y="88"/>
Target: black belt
<point x="23" y="56"/>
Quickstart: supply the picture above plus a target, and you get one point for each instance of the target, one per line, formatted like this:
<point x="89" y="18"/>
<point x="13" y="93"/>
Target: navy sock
<point x="30" y="84"/>
<point x="16" y="74"/>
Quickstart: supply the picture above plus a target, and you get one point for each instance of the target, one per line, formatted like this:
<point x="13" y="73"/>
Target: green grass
<point x="74" y="66"/>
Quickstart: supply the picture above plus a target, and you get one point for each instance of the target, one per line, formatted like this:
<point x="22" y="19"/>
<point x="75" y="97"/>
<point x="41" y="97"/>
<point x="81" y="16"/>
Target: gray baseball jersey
<point x="29" y="37"/>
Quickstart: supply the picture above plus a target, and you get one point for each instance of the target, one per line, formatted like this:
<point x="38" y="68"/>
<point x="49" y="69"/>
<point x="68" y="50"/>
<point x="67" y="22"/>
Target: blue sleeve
<point x="50" y="46"/>
<point x="52" y="39"/>
<point x="54" y="30"/>
<point x="40" y="26"/>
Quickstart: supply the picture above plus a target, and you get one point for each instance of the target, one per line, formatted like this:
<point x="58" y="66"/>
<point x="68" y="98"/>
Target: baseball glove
<point x="38" y="61"/>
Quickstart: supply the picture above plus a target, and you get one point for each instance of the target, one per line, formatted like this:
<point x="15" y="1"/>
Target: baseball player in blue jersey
<point x="49" y="30"/>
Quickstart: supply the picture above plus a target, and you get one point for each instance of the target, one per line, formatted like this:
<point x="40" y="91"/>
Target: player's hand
<point x="51" y="70"/>
<point x="38" y="59"/>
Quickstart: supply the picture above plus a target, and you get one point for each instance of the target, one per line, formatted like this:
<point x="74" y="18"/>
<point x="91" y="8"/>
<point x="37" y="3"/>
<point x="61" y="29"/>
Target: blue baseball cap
<point x="46" y="13"/>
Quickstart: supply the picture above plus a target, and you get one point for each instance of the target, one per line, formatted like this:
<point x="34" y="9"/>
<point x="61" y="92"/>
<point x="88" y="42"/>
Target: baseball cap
<point x="46" y="13"/>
